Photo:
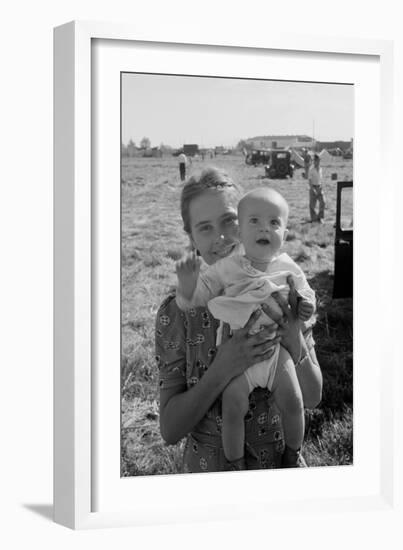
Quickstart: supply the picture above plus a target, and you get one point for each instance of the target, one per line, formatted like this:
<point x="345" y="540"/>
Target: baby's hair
<point x="268" y="193"/>
<point x="210" y="178"/>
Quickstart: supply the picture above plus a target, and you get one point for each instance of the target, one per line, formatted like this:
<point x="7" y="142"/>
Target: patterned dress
<point x="185" y="347"/>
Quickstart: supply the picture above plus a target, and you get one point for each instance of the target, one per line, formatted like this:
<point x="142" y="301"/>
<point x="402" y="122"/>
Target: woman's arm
<point x="181" y="410"/>
<point x="304" y="356"/>
<point x="310" y="378"/>
<point x="306" y="363"/>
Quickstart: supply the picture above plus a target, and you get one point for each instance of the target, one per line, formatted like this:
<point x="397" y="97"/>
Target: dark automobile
<point x="343" y="245"/>
<point x="279" y="165"/>
<point x="258" y="156"/>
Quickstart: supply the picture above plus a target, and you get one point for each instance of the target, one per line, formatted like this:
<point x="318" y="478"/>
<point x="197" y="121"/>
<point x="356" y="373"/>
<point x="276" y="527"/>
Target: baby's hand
<point x="187" y="270"/>
<point x="305" y="309"/>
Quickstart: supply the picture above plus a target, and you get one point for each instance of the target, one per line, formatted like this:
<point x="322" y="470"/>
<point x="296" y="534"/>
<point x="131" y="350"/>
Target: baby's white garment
<point x="244" y="289"/>
<point x="261" y="374"/>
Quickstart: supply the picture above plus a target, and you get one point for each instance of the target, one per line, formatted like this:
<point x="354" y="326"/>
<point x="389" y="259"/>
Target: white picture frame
<point x="77" y="470"/>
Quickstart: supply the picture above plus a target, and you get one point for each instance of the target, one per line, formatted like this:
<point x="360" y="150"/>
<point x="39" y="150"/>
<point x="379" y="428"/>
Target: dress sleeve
<point x="170" y="345"/>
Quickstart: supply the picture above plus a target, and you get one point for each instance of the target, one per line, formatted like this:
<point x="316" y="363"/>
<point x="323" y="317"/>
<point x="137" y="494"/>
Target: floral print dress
<point x="185" y="347"/>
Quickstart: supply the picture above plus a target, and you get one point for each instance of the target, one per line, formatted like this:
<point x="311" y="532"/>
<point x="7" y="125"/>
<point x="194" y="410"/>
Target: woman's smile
<point x="225" y="250"/>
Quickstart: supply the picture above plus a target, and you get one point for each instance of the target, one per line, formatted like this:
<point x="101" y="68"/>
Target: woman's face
<point x="214" y="224"/>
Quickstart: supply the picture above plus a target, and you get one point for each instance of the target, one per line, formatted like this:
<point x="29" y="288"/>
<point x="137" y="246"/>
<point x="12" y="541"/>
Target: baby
<point x="233" y="288"/>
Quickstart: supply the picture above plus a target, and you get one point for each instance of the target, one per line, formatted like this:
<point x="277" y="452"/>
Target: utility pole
<point x="313" y="134"/>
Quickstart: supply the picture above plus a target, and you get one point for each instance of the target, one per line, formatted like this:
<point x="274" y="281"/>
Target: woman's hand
<point x="308" y="371"/>
<point x="244" y="350"/>
<point x="187" y="271"/>
<point x="290" y="326"/>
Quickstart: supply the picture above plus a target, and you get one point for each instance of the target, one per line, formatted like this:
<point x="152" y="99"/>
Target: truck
<point x="191" y="149"/>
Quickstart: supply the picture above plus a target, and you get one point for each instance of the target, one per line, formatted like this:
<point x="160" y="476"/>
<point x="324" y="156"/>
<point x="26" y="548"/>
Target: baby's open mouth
<point x="263" y="241"/>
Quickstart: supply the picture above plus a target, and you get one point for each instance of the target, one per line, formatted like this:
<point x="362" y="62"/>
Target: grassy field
<point x="153" y="238"/>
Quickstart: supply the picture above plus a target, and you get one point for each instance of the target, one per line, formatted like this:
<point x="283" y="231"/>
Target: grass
<point x="153" y="239"/>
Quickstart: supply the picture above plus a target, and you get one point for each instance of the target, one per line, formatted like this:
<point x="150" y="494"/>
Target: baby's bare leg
<point x="288" y="397"/>
<point x="235" y="404"/>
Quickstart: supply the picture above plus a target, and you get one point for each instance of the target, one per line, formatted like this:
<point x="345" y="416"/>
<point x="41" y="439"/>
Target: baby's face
<point x="262" y="224"/>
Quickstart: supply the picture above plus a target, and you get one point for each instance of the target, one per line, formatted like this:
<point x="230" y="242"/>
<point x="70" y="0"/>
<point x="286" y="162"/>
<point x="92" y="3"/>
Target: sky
<point x="174" y="110"/>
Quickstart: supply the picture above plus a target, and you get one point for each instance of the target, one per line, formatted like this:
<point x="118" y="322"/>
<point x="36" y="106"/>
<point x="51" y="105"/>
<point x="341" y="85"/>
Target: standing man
<point x="182" y="166"/>
<point x="316" y="191"/>
<point x="307" y="163"/>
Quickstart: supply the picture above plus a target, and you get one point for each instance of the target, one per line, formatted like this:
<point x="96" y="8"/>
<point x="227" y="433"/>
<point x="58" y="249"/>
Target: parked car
<point x="343" y="245"/>
<point x="258" y="156"/>
<point x="279" y="165"/>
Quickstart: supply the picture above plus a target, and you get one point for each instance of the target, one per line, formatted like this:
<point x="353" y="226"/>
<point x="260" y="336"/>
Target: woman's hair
<point x="196" y="185"/>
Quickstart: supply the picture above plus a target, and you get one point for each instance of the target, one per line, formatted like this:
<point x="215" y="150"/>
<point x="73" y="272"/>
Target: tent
<point x="297" y="159"/>
<point x="325" y="156"/>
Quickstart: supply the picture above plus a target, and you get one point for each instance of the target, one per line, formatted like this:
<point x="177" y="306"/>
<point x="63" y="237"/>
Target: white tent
<point x="325" y="156"/>
<point x="295" y="157"/>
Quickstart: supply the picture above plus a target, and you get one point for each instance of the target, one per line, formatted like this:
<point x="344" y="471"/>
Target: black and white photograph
<point x="236" y="274"/>
<point x="174" y="390"/>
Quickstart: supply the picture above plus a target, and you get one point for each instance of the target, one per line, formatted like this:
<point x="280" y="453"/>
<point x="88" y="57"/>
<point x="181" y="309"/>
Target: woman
<point x="193" y="372"/>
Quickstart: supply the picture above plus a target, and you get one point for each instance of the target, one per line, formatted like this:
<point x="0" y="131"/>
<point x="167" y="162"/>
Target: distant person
<point x="233" y="288"/>
<point x="316" y="191"/>
<point x="307" y="163"/>
<point x="182" y="166"/>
